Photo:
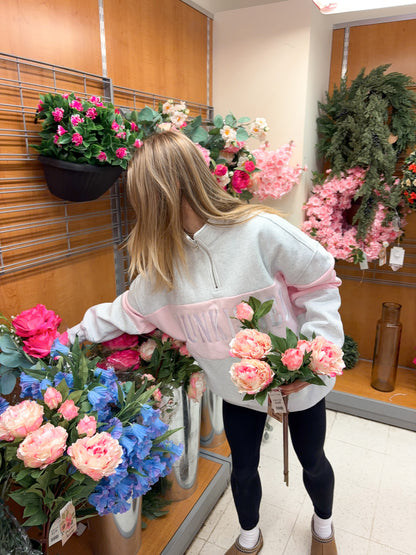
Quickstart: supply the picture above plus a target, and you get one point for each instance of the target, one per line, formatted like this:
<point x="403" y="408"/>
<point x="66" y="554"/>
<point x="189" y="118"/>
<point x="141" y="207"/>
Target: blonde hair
<point x="169" y="167"/>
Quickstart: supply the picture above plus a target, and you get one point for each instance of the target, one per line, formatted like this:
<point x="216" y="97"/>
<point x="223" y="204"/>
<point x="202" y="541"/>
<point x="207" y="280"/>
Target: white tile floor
<point x="375" y="495"/>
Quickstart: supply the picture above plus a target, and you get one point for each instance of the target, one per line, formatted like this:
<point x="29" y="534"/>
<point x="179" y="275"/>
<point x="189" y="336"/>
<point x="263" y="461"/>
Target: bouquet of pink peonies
<point x="268" y="361"/>
<point x="79" y="440"/>
<point x="153" y="359"/>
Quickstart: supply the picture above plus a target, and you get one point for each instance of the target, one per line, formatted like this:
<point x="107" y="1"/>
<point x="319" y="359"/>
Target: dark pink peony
<point x="124" y="341"/>
<point x="35" y="320"/>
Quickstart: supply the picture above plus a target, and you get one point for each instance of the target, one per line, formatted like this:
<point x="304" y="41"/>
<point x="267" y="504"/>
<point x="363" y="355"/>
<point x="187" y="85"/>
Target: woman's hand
<point x="297" y="385"/>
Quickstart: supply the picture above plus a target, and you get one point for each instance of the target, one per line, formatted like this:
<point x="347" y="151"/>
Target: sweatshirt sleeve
<point x="317" y="302"/>
<point x="106" y="321"/>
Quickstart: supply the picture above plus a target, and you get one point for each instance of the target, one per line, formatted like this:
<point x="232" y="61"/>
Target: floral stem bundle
<point x="268" y="362"/>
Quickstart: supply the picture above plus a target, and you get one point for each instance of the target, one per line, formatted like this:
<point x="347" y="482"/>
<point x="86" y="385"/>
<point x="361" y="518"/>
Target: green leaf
<point x="147" y="114"/>
<point x="218" y="121"/>
<point x="36" y="520"/>
<point x="200" y="135"/>
<point x="242" y="134"/>
<point x="260" y="397"/>
<point x="264" y="308"/>
<point x="7" y="344"/>
<point x="291" y="339"/>
<point x="230" y="120"/>
<point x="63" y="389"/>
<point x="244" y="119"/>
<point x="7" y="383"/>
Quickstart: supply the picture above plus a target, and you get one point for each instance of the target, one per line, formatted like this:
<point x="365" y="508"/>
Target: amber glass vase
<point x="386" y="348"/>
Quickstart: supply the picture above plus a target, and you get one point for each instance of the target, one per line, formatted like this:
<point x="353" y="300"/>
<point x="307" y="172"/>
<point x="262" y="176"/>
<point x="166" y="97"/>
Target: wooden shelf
<point x="353" y="394"/>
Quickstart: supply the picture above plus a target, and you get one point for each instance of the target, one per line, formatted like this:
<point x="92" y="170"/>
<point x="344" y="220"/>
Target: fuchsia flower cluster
<point x="38" y="328"/>
<point x="268" y="362"/>
<point x="326" y="221"/>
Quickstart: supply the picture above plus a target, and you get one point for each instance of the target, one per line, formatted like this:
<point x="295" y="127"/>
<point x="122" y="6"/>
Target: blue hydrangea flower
<point x="3" y="404"/>
<point x="30" y="387"/>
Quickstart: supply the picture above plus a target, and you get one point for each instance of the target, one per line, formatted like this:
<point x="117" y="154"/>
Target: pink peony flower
<point x="87" y="425"/>
<point x="102" y="157"/>
<point x="121" y="135"/>
<point x="76" y="104"/>
<point x="243" y="311"/>
<point x="35" y="320"/>
<point x="52" y="398"/>
<point x="196" y="386"/>
<point x="76" y="120"/>
<point x="293" y="359"/>
<point x="40" y="345"/>
<point x="147" y="348"/>
<point x="39" y="107"/>
<point x="251" y="375"/>
<point x="124" y="341"/>
<point x="205" y="152"/>
<point x="18" y="420"/>
<point x="133" y="126"/>
<point x="250" y="344"/>
<point x="61" y="130"/>
<point x="115" y="126"/>
<point x="123" y="360"/>
<point x="77" y="139"/>
<point x="326" y="357"/>
<point x="304" y="345"/>
<point x="58" y="114"/>
<point x="138" y="143"/>
<point x="91" y="113"/>
<point x="97" y="456"/>
<point x="65" y="95"/>
<point x="240" y="181"/>
<point x="43" y="446"/>
<point x="121" y="152"/>
<point x="220" y="169"/>
<point x="68" y="410"/>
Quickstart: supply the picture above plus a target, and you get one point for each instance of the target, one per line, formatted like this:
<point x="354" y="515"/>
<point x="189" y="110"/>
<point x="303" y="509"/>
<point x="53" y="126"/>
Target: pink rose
<point x="249" y="166"/>
<point x="124" y="341"/>
<point x="76" y="120"/>
<point x="96" y="100"/>
<point x="205" y="153"/>
<point x="121" y="135"/>
<point x="43" y="446"/>
<point x="148" y="377"/>
<point x="52" y="398"/>
<point x="77" y="139"/>
<point x="61" y="130"/>
<point x="102" y="157"/>
<point x="251" y="375"/>
<point x="133" y="126"/>
<point x="157" y="396"/>
<point x="68" y="410"/>
<point x="115" y="126"/>
<point x="97" y="456"/>
<point x="147" y="348"/>
<point x="35" y="320"/>
<point x="40" y="345"/>
<point x="243" y="311"/>
<point x="18" y="420"/>
<point x="58" y="114"/>
<point x="250" y="344"/>
<point x="138" y="143"/>
<point x="220" y="169"/>
<point x="183" y="350"/>
<point x="196" y="386"/>
<point x="87" y="425"/>
<point x="121" y="152"/>
<point x="293" y="359"/>
<point x="326" y="357"/>
<point x="240" y="181"/>
<point x="91" y="113"/>
<point x="123" y="360"/>
<point x="304" y="345"/>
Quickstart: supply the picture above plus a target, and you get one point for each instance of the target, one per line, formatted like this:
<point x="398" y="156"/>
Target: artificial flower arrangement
<point x="84" y="131"/>
<point x="80" y="438"/>
<point x="408" y="182"/>
<point x="269" y="361"/>
<point x="156" y="359"/>
<point x="327" y="222"/>
<point x="223" y="142"/>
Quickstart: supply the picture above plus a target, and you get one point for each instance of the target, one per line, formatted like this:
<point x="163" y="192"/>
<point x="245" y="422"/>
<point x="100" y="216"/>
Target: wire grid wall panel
<point x="35" y="227"/>
<point x="130" y="99"/>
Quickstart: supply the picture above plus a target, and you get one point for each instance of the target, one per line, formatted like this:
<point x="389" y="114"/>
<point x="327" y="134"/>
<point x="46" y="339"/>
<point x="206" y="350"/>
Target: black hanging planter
<point x="78" y="182"/>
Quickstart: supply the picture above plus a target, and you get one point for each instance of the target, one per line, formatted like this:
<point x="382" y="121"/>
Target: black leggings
<point x="244" y="430"/>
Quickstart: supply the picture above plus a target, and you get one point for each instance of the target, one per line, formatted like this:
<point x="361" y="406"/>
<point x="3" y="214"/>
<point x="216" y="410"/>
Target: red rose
<point x="123" y="360"/>
<point x="40" y="345"/>
<point x="35" y="320"/>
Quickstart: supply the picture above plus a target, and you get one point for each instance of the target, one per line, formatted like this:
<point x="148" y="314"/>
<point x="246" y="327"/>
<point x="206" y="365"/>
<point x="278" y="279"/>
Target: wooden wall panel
<point x="158" y="47"/>
<point x="64" y="32"/>
<point x="337" y="53"/>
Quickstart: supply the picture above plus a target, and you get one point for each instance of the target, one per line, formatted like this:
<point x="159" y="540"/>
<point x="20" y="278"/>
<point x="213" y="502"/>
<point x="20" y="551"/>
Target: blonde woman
<point x="196" y="252"/>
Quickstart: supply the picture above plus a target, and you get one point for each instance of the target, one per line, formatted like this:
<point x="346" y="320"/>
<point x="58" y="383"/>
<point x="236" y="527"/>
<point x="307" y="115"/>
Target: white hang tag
<point x="277" y="402"/>
<point x="68" y="521"/>
<point x="396" y="258"/>
<point x="364" y="263"/>
<point x="55" y="532"/>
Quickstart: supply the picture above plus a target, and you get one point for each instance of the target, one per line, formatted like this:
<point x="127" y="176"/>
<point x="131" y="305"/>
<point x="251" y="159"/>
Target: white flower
<point x="228" y="134"/>
<point x="168" y="107"/>
<point x="261" y="122"/>
<point x="178" y="118"/>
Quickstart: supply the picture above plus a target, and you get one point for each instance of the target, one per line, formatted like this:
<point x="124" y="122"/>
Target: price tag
<point x="396" y="258"/>
<point x="364" y="263"/>
<point x="55" y="532"/>
<point x="68" y="521"/>
<point x="276" y="404"/>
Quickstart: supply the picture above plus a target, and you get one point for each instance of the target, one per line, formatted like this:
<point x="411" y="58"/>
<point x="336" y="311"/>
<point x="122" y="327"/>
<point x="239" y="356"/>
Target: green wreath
<point x="369" y="124"/>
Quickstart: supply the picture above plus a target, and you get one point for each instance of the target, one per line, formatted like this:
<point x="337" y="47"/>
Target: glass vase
<point x="386" y="348"/>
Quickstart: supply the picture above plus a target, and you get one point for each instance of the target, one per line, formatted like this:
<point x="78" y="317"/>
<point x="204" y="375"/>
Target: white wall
<point x="273" y="61"/>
